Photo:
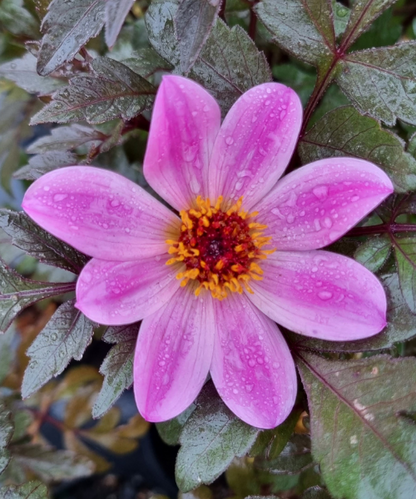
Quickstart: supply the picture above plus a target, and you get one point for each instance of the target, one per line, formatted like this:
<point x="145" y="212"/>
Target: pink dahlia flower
<point x="209" y="284"/>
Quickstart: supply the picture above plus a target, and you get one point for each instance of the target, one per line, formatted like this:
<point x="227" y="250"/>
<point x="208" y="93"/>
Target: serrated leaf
<point x="193" y="23"/>
<point x="401" y="326"/>
<point x="117" y="367"/>
<point x="170" y="431"/>
<point x="110" y="91"/>
<point x="115" y="13"/>
<point x="222" y="70"/>
<point x="52" y="465"/>
<point x="17" y="293"/>
<point x="210" y="439"/>
<point x="66" y="138"/>
<point x="28" y="236"/>
<point x="31" y="490"/>
<point x="363" y="13"/>
<point x="66" y="29"/>
<point x="405" y="252"/>
<point x="304" y="28"/>
<point x="65" y="337"/>
<point x="360" y="437"/>
<point x="344" y="132"/>
<point x="6" y="425"/>
<point x="23" y="72"/>
<point x="374" y="252"/>
<point x="43" y="163"/>
<point x="381" y="82"/>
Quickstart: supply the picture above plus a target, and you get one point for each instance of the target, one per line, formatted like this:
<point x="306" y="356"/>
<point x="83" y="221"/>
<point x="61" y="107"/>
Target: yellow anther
<point x="219" y="265"/>
<point x="255" y="268"/>
<point x="205" y="221"/>
<point x="218" y="203"/>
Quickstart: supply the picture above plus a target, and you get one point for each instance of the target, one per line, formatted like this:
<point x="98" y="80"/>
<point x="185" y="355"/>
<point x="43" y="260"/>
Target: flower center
<point x="220" y="249"/>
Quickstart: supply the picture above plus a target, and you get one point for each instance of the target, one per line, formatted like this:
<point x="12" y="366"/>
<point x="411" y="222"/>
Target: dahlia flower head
<point x="239" y="251"/>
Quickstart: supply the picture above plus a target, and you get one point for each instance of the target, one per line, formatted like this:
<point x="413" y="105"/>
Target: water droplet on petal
<point x="325" y="295"/>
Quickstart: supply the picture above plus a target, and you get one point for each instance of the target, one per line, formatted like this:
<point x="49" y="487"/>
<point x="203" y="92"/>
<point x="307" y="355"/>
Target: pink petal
<point x="252" y="367"/>
<point x="255" y="143"/>
<point x="116" y="293"/>
<point x="100" y="213"/>
<point x="173" y="355"/>
<point x="321" y="294"/>
<point x="185" y="122"/>
<point x="318" y="203"/>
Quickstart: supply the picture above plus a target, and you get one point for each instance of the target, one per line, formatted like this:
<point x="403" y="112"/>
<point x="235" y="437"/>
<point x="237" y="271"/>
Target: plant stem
<point x="388" y="228"/>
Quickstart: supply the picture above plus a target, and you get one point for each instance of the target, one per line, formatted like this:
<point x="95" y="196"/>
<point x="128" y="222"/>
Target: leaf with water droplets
<point x="146" y="62"/>
<point x="210" y="440"/>
<point x="170" y="431"/>
<point x="52" y="465"/>
<point x="30" y="490"/>
<point x="43" y="163"/>
<point x="381" y="82"/>
<point x="28" y="236"/>
<point x="361" y="435"/>
<point x="374" y="252"/>
<point x="316" y="493"/>
<point x="111" y="90"/>
<point x="344" y="132"/>
<point x="405" y="252"/>
<point x="67" y="26"/>
<point x="7" y="354"/>
<point x="65" y="337"/>
<point x="303" y="28"/>
<point x="341" y="18"/>
<point x="363" y="13"/>
<point x="401" y="326"/>
<point x="117" y="367"/>
<point x="193" y="23"/>
<point x="222" y="70"/>
<point x="66" y="138"/>
<point x="17" y="293"/>
<point x="115" y="13"/>
<point x="23" y="73"/>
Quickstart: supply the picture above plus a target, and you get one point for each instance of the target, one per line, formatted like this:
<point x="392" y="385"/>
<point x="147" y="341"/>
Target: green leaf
<point x="296" y="77"/>
<point x="303" y="28"/>
<point x="17" y="19"/>
<point x="374" y="252"/>
<point x="43" y="163"/>
<point x="52" y="465"/>
<point x="146" y="62"/>
<point x="66" y="138"/>
<point x="210" y="439"/>
<point x="115" y="13"/>
<point x="193" y="23"/>
<point x="65" y="337"/>
<point x="31" y="490"/>
<point x="23" y="73"/>
<point x="294" y="457"/>
<point x="401" y="326"/>
<point x="111" y="91"/>
<point x="381" y="82"/>
<point x="270" y="443"/>
<point x="17" y="293"/>
<point x="66" y="29"/>
<point x="161" y="31"/>
<point x="341" y="18"/>
<point x="28" y="236"/>
<point x="6" y="433"/>
<point x="344" y="132"/>
<point x="222" y="70"/>
<point x="363" y="14"/>
<point x="405" y="252"/>
<point x="117" y="367"/>
<point x="170" y="431"/>
<point x="360" y="437"/>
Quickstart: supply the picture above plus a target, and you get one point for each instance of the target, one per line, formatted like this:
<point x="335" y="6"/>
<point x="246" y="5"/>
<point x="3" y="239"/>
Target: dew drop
<point x="229" y="141"/>
<point x="321" y="191"/>
<point x="325" y="295"/>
